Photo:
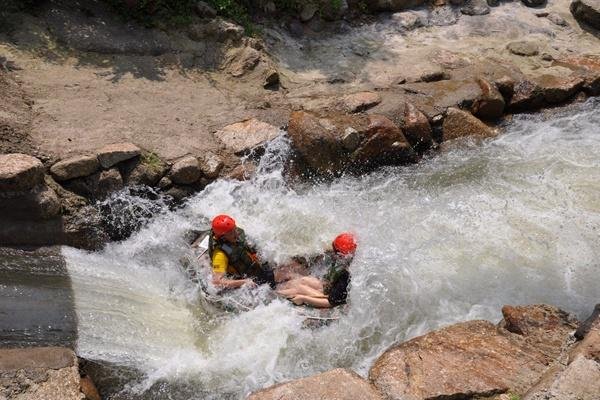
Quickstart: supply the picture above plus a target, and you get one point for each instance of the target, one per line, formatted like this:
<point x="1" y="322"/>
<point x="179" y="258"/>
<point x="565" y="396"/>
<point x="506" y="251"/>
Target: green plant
<point x="513" y="396"/>
<point x="152" y="160"/>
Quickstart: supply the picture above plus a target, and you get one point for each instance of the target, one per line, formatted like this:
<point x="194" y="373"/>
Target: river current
<point x="512" y="220"/>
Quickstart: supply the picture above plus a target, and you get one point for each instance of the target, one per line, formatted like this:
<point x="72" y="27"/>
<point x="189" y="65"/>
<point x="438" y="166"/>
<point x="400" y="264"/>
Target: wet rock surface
<point x="339" y="384"/>
<point x="459" y="123"/>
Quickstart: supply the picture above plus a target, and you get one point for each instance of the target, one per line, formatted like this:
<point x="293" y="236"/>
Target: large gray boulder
<point x="19" y="172"/>
<point x="587" y="11"/>
<point x="185" y="171"/>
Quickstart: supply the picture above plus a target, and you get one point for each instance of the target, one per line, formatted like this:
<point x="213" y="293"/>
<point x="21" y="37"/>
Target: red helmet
<point x="222" y="224"/>
<point x="344" y="243"/>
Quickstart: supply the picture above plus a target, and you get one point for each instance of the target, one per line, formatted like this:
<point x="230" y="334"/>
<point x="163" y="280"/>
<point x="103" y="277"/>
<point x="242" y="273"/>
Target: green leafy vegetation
<point x="513" y="396"/>
<point x="152" y="160"/>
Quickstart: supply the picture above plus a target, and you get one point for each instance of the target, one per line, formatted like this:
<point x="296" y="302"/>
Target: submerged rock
<point x="20" y="172"/>
<point x="472" y="359"/>
<point x="339" y="384"/>
<point x="459" y="123"/>
<point x="587" y="11"/>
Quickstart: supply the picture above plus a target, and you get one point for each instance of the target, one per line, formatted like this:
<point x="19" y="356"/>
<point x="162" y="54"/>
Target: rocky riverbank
<point x="536" y="352"/>
<point x="179" y="108"/>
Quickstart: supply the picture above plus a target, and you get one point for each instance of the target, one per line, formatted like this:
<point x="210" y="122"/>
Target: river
<point x="512" y="220"/>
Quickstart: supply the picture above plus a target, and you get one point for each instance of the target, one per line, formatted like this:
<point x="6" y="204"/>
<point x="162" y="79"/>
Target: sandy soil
<point x="82" y="100"/>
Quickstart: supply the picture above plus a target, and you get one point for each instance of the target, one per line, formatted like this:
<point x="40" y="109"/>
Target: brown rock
<point x="211" y="165"/>
<point x="244" y="136"/>
<point x="558" y="89"/>
<point x="20" y="172"/>
<point x="337" y="384"/>
<point x="506" y="86"/>
<point x="586" y="67"/>
<point x="185" y="171"/>
<point x="271" y="78"/>
<point x="75" y="167"/>
<point x="459" y="123"/>
<point x="523" y="48"/>
<point x="527" y="96"/>
<point x="361" y="101"/>
<point x="48" y="373"/>
<point x="490" y="105"/>
<point x="465" y="360"/>
<point x="446" y="93"/>
<point x="88" y="388"/>
<point x="416" y="127"/>
<point x="243" y="172"/>
<point x="115" y="153"/>
<point x="107" y="182"/>
<point x="244" y="61"/>
<point x="384" y="144"/>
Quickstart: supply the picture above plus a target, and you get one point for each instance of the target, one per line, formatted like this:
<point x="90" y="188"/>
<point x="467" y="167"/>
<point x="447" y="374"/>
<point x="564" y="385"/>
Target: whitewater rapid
<point x="512" y="220"/>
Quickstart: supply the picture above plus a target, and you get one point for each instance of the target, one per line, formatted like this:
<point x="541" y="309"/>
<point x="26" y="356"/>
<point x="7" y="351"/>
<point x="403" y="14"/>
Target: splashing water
<point x="514" y="220"/>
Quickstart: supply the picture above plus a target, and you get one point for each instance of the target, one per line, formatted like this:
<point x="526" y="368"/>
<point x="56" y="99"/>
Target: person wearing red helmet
<point x="332" y="290"/>
<point x="234" y="260"/>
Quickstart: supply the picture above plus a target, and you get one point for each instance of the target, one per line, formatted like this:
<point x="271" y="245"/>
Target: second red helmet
<point x="345" y="243"/>
<point x="222" y="224"/>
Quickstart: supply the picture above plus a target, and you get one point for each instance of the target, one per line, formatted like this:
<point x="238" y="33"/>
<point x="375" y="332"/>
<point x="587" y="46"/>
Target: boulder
<point x="459" y="123"/>
<point x="271" y="78"/>
<point x="75" y="167"/>
<point x="336" y="143"/>
<point x="416" y="127"/>
<point x="48" y="373"/>
<point x="523" y="48"/>
<point x="558" y="89"/>
<point x="556" y="19"/>
<point x="41" y="202"/>
<point x="527" y="96"/>
<point x="468" y="360"/>
<point x="243" y="61"/>
<point x="338" y="384"/>
<point x="216" y="29"/>
<point x="443" y="94"/>
<point x="490" y="105"/>
<point x="587" y="11"/>
<point x="185" y="171"/>
<point x="203" y="10"/>
<point x="358" y="102"/>
<point x="165" y="183"/>
<point x="243" y="137"/>
<point x="96" y="186"/>
<point x="533" y="3"/>
<point x="506" y="86"/>
<point x="475" y="7"/>
<point x="211" y="165"/>
<point x="115" y="153"/>
<point x="20" y="172"/>
<point x="586" y="67"/>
